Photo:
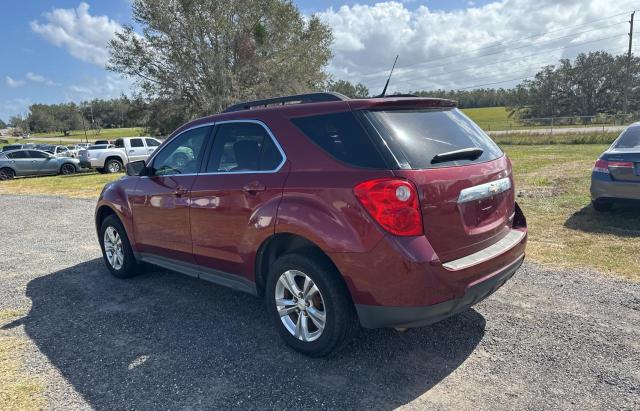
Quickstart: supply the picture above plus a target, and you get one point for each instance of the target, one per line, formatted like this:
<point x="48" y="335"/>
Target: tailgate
<point x="466" y="208"/>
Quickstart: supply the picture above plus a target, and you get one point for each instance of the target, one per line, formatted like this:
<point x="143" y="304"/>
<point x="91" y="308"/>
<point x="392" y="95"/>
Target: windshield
<point x="430" y="138"/>
<point x="630" y="138"/>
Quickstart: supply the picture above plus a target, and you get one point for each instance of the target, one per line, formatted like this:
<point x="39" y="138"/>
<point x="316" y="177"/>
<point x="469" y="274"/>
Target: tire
<point x="113" y="166"/>
<point x="602" y="204"/>
<point x="332" y="299"/>
<point x="7" y="173"/>
<point x="67" y="169"/>
<point x="125" y="264"/>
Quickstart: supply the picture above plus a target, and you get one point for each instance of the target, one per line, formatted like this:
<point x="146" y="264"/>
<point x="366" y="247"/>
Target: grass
<point x="567" y="138"/>
<point x="105" y="134"/>
<point x="82" y="185"/>
<point x="489" y="118"/>
<point x="552" y="182"/>
<point x="18" y="391"/>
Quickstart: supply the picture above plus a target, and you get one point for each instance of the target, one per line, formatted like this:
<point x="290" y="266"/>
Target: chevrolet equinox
<point x="341" y="213"/>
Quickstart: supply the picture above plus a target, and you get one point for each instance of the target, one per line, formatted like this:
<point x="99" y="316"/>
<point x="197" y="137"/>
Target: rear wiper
<point x="470" y="153"/>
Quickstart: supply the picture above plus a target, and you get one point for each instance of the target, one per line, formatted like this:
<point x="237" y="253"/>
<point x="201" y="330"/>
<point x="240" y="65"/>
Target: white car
<point x="112" y="158"/>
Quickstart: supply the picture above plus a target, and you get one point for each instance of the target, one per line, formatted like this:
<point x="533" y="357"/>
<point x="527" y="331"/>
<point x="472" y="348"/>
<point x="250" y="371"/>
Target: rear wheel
<point x="7" y="173"/>
<point x="602" y="204"/>
<point x="116" y="249"/>
<point x="310" y="305"/>
<point x="67" y="169"/>
<point x="113" y="166"/>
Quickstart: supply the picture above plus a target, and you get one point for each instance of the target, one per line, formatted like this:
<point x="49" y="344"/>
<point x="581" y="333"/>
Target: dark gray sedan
<point x="616" y="175"/>
<point x="34" y="162"/>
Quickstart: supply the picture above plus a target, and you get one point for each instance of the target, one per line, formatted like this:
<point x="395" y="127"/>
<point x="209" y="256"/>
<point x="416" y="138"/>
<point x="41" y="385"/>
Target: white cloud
<point x="11" y="82"/>
<point x="111" y="86"/>
<point x="440" y="49"/>
<point x="37" y="78"/>
<point x="84" y="36"/>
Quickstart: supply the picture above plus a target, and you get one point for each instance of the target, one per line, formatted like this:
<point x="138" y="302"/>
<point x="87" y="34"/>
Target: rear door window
<point x="342" y="136"/>
<point x="136" y="142"/>
<point x="242" y="147"/>
<point x="16" y="155"/>
<point x="416" y="136"/>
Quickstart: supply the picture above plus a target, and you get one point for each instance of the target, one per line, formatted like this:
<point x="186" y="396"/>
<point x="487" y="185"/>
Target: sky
<point x="55" y="51"/>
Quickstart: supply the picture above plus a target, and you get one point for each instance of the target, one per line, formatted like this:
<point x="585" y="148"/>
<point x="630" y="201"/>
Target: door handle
<point x="253" y="187"/>
<point x="180" y="191"/>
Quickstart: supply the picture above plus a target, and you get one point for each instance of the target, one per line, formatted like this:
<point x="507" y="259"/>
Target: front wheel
<point x="67" y="169"/>
<point x="116" y="249"/>
<point x="310" y="305"/>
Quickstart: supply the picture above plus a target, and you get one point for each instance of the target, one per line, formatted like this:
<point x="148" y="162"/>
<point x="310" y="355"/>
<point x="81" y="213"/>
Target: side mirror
<point x="136" y="168"/>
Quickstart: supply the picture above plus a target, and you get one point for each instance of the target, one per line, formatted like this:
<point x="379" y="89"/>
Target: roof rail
<point x="298" y="98"/>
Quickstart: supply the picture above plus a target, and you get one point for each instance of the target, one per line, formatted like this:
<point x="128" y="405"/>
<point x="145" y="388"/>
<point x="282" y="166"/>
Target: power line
<point x="512" y="59"/>
<point x="593" y="66"/>
<point x="505" y="43"/>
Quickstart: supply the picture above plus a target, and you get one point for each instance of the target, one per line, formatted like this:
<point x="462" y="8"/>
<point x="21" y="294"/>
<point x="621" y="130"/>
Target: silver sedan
<point x="34" y="162"/>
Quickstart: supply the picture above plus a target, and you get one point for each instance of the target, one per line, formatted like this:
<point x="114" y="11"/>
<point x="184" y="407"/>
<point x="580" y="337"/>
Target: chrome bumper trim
<point x="509" y="241"/>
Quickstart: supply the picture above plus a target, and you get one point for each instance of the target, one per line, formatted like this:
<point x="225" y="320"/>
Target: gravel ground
<point x="547" y="339"/>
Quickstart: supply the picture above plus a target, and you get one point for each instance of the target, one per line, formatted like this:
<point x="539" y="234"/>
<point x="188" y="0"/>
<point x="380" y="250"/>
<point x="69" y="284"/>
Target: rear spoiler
<point x="401" y="102"/>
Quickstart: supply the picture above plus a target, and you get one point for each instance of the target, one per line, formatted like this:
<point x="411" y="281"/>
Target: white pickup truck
<point x="112" y="158"/>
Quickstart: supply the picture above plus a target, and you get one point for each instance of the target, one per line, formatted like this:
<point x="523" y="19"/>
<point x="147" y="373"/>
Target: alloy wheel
<point x="300" y="305"/>
<point x="113" y="248"/>
<point x="68" y="169"/>
<point x="114" y="167"/>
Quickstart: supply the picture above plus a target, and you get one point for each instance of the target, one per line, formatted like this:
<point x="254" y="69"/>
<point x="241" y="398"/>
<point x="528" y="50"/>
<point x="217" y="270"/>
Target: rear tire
<point x="113" y="166"/>
<point x="327" y="308"/>
<point x="7" y="173"/>
<point x="116" y="249"/>
<point x="602" y="204"/>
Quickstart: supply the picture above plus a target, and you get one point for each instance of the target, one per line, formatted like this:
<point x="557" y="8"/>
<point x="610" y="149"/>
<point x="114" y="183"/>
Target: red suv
<point x="341" y="213"/>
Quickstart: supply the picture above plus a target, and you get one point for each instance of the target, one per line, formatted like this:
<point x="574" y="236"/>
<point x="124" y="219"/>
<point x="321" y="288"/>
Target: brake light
<point x="602" y="166"/>
<point x="393" y="203"/>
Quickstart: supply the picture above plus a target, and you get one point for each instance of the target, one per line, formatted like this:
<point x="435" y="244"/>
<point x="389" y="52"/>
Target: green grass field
<point x="552" y="186"/>
<point x="105" y="134"/>
<point x="490" y="118"/>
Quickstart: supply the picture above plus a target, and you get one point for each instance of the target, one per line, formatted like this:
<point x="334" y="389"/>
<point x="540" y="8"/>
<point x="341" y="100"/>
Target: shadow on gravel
<point x="163" y="340"/>
<point x="623" y="220"/>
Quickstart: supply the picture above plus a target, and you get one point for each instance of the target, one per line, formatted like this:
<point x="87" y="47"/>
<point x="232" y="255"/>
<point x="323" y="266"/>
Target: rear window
<point x="342" y="136"/>
<point x="98" y="147"/>
<point x="415" y="137"/>
<point x="630" y="138"/>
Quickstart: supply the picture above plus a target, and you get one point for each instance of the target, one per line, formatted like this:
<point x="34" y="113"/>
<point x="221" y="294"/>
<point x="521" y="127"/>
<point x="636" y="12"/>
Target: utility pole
<point x="625" y="106"/>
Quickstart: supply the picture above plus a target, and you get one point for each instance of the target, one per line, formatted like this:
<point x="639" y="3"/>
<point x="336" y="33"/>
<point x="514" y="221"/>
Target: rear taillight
<point x="602" y="166"/>
<point x="393" y="203"/>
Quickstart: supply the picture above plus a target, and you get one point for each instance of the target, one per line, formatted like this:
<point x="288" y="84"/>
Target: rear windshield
<point x="98" y="147"/>
<point x="630" y="138"/>
<point x="415" y="136"/>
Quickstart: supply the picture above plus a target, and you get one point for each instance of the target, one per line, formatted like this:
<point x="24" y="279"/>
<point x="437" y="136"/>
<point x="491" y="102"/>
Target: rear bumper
<point x="372" y="316"/>
<point x="602" y="187"/>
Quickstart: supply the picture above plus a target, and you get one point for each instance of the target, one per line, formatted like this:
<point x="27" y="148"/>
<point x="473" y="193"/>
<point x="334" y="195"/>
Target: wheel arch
<point x="280" y="244"/>
<point x="114" y="157"/>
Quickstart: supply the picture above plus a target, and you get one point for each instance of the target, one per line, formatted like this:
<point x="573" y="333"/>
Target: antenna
<point x="384" y="91"/>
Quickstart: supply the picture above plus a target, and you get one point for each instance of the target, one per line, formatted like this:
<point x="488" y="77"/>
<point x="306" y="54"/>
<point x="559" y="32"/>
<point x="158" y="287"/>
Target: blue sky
<point x="53" y="51"/>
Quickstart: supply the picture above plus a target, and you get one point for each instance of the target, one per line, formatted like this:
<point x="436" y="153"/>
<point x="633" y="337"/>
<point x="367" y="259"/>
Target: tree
<point x="347" y="88"/>
<point x="203" y="56"/>
<point x="3" y="124"/>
